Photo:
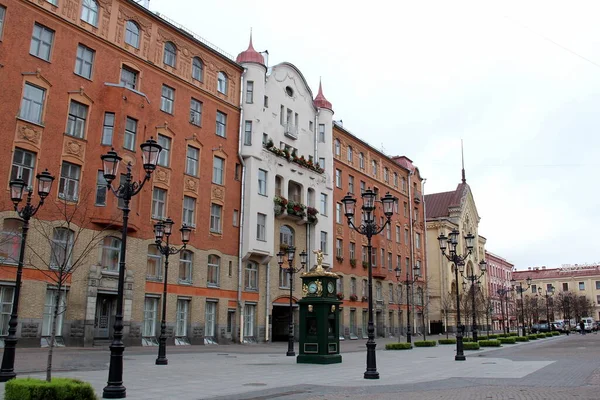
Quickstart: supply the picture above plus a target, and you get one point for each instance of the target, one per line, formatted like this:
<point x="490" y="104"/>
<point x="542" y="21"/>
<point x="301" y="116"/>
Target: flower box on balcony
<point x="364" y="299"/>
<point x="353" y="297"/>
<point x="365" y="265"/>
<point x="339" y="259"/>
<point x="353" y="262"/>
<point x="311" y="214"/>
<point x="296" y="209"/>
<point x="340" y="296"/>
<point x="280" y="205"/>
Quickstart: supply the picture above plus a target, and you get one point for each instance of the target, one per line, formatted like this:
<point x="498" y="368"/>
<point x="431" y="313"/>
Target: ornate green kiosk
<point x="319" y="317"/>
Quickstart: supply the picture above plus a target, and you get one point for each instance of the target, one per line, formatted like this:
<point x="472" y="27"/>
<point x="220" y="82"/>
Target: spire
<point x="320" y="101"/>
<point x="250" y="55"/>
<point x="462" y="155"/>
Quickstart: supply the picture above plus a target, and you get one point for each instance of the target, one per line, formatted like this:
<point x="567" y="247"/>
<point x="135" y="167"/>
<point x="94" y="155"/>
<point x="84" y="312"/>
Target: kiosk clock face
<point x="312" y="288"/>
<point x="330" y="287"/>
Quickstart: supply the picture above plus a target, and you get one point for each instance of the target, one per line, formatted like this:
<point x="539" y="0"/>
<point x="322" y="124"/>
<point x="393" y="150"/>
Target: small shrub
<point x="489" y="343"/>
<point x="549" y="334"/>
<point x="507" y="340"/>
<point x="513" y="334"/>
<point x="467" y="339"/>
<point x="522" y="338"/>
<point x="555" y="333"/>
<point x="482" y="337"/>
<point x="532" y="337"/>
<point x="503" y="335"/>
<point x="471" y="346"/>
<point x="493" y="336"/>
<point x="425" y="343"/>
<point x="398" y="346"/>
<point x="58" y="389"/>
<point x="447" y="341"/>
<point x="541" y="336"/>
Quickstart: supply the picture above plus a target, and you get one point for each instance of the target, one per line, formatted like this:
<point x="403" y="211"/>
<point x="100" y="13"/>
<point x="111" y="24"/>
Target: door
<point x="105" y="312"/>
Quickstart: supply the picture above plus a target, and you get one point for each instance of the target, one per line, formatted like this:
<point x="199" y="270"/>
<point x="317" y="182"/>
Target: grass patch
<point x="57" y="389"/>
<point x="447" y="341"/>
<point x="489" y="343"/>
<point x="398" y="346"/>
<point x="507" y="340"/>
<point x="471" y="346"/>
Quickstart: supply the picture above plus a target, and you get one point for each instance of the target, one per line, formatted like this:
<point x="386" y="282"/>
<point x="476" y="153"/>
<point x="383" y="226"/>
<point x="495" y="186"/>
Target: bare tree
<point x="71" y="239"/>
<point x="447" y="306"/>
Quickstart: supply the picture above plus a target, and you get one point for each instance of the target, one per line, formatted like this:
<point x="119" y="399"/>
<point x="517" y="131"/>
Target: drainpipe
<point x="267" y="302"/>
<point x="412" y="249"/>
<point x="425" y="252"/>
<point x="242" y="204"/>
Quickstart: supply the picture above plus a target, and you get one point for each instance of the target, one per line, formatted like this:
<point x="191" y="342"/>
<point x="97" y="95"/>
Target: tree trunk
<point x="53" y="331"/>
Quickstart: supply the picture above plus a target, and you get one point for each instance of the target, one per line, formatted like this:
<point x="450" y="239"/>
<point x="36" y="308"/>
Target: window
<point x="373" y="256"/>
<point x="403" y="184"/>
<point x="250" y="92"/>
<point x="352" y="251"/>
<point x="10" y="242"/>
<point x="197" y="69"/>
<point x="534" y="289"/>
<point x="386" y="175"/>
<point x="77" y="117"/>
<point x="32" y="103"/>
<point x="210" y="319"/>
<point x="163" y="156"/>
<point x="338" y="213"/>
<point x="266" y="103"/>
<point x="183" y="307"/>
<point x="6" y="301"/>
<point x="337" y="148"/>
<point x="132" y="34"/>
<point x="598" y="286"/>
<point x="322" y="162"/>
<point x="418" y="240"/>
<point x="111" y="253"/>
<point x="363" y="187"/>
<point x="261" y="231"/>
<point x="192" y="157"/>
<point x="189" y="208"/>
<point x="167" y="98"/>
<point x="214" y="265"/>
<point x="89" y="12"/>
<point x="374" y="167"/>
<point x="351" y="184"/>
<point x="69" y="181"/>
<point x="236" y="217"/>
<point x="101" y="189"/>
<point x="251" y="276"/>
<point x="349" y="154"/>
<point x="61" y="249"/>
<point x="2" y="13"/>
<point x="185" y="266"/>
<point x="215" y="218"/>
<point x="397" y="234"/>
<point x="170" y="55"/>
<point x="84" y="61"/>
<point x="249" y="317"/>
<point x="389" y="261"/>
<point x="150" y="310"/>
<point x="196" y="112"/>
<point x="154" y="263"/>
<point x="338" y="178"/>
<point x="339" y="252"/>
<point x="565" y="287"/>
<point x="323" y="204"/>
<point x="391" y="293"/>
<point x="237" y="172"/>
<point x="130" y="132"/>
<point x="159" y="198"/>
<point x="378" y="291"/>
<point x="41" y="42"/>
<point x="262" y="182"/>
<point x="222" y="83"/>
<point x="284" y="278"/>
<point x="395" y="180"/>
<point x="218" y="170"/>
<point x="49" y="306"/>
<point x="248" y="133"/>
<point x="221" y="123"/>
<point x="361" y="160"/>
<point x="108" y="128"/>
<point x="322" y="133"/>
<point x="581" y="285"/>
<point x="23" y="166"/>
<point x="324" y="242"/>
<point x="286" y="235"/>
<point x="129" y="77"/>
<point x="406" y="236"/>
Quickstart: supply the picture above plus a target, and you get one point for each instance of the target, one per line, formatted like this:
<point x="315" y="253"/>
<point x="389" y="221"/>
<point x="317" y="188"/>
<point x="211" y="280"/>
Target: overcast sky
<point x="518" y="81"/>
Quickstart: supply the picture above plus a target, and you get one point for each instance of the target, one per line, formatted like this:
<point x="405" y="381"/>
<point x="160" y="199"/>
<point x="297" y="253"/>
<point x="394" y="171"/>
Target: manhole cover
<point x="255" y="384"/>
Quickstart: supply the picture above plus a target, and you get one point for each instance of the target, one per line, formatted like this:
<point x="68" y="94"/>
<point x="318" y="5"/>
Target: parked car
<point x="588" y="324"/>
<point x="537" y="328"/>
<point x="558" y="326"/>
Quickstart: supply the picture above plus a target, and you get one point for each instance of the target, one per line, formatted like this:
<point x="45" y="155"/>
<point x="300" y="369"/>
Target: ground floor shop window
<point x="7" y="294"/>
<point x="183" y="307"/>
<point x="210" y="323"/>
<point x="249" y="318"/>
<point x="149" y="327"/>
<point x="48" y="318"/>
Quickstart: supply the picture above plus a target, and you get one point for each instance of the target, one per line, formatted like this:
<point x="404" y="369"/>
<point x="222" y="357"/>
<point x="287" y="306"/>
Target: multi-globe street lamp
<point x="409" y="283"/>
<point x="548" y="294"/>
<point x="458" y="261"/>
<point x="17" y="187"/>
<point x="519" y="289"/>
<point x="114" y="388"/>
<point x="164" y="229"/>
<point x="473" y="278"/>
<point x="369" y="228"/>
<point x="291" y="270"/>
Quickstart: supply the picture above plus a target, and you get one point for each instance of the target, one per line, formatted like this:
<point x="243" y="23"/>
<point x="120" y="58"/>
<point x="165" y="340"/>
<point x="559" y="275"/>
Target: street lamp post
<point x="114" y="388"/>
<point x="17" y="187"/>
<point x="291" y="252"/>
<point x="408" y="282"/>
<point x="369" y="228"/>
<point x="503" y="293"/>
<point x="475" y="279"/>
<point x="520" y="290"/>
<point x="458" y="262"/>
<point x="164" y="229"/>
<point x="549" y="293"/>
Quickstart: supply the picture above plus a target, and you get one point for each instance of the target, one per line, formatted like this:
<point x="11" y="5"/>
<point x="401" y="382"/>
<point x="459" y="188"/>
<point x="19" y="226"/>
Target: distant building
<point x="501" y="298"/>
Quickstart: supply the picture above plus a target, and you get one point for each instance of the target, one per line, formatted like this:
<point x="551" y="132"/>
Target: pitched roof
<point x="557" y="273"/>
<point x="439" y="204"/>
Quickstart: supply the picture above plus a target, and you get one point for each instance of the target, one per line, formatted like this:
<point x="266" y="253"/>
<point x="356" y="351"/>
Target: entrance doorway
<point x="280" y="323"/>
<point x="106" y="308"/>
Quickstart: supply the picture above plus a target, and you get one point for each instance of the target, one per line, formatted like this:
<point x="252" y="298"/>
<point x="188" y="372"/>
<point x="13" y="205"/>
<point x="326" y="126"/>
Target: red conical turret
<point x="250" y="55"/>
<point x="320" y="101"/>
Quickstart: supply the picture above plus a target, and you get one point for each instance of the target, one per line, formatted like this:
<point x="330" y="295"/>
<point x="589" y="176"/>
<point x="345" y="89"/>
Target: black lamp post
<point x="17" y="187"/>
<point x="369" y="228"/>
<point x="473" y="278"/>
<point x="548" y="294"/>
<point x="503" y="293"/>
<point x="408" y="282"/>
<point x="114" y="388"/>
<point x="520" y="290"/>
<point x="291" y="252"/>
<point x="164" y="229"/>
<point x="458" y="262"/>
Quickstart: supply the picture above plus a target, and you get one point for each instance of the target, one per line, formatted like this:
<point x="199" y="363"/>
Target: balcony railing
<point x="290" y="130"/>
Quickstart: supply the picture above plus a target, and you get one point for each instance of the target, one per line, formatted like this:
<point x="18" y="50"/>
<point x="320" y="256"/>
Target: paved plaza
<point x="564" y="367"/>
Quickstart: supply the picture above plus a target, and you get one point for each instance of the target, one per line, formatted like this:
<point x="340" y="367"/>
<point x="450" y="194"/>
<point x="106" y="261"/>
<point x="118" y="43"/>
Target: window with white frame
<point x="398" y="234"/>
<point x="77" y="118"/>
<point x="284" y="278"/>
<point x="391" y="292"/>
<point x="386" y="175"/>
<point x="108" y="127"/>
<point x="338" y="178"/>
<point x="52" y="298"/>
<point x="365" y="254"/>
<point x="382" y="257"/>
<point x="222" y="82"/>
<point x="189" y="211"/>
<point x="247" y="133"/>
<point x="197" y="69"/>
<point x="403" y="184"/>
<point x="364" y="288"/>
<point x="23" y="165"/>
<point x="286" y="236"/>
<point x="324" y="242"/>
<point x="251" y="276"/>
<point x="349" y="154"/>
<point x="170" y="54"/>
<point x="159" y="200"/>
<point x="163" y="156"/>
<point x="111" y="253"/>
<point x="132" y="34"/>
<point x="249" y="318"/>
<point x="10" y="240"/>
<point x="221" y="123"/>
<point x="374" y="168"/>
<point x="69" y="181"/>
<point x="61" y="249"/>
<point x="322" y="162"/>
<point x="185" y="266"/>
<point x="129" y="77"/>
<point x="398" y="261"/>
<point x="154" y="263"/>
<point x="338" y="213"/>
<point x="389" y="261"/>
<point x="7" y="294"/>
<point x="218" y="170"/>
<point x="195" y="112"/>
<point x="395" y="179"/>
<point x="363" y="187"/>
<point x="150" y="311"/>
<point x="261" y="228"/>
<point x="337" y="147"/>
<point x="216" y="211"/>
<point x="388" y="232"/>
<point x="192" y="159"/>
<point x="350" y="184"/>
<point x="41" y="42"/>
<point x="323" y="204"/>
<point x="130" y="133"/>
<point x="406" y="236"/>
<point x="32" y="104"/>
<point x="167" y="99"/>
<point x="262" y="182"/>
<point x="183" y="311"/>
<point x="89" y="12"/>
<point x="361" y="160"/>
<point x="249" y="92"/>
<point x="213" y="270"/>
<point x="378" y="291"/>
<point x="418" y="240"/>
<point x="84" y="61"/>
<point x="352" y="250"/>
<point x="210" y="319"/>
<point x="101" y="189"/>
<point x="373" y="257"/>
<point x="339" y="248"/>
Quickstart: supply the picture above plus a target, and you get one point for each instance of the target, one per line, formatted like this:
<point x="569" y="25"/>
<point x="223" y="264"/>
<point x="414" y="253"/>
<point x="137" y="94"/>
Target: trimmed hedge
<point x="493" y="336"/>
<point x="467" y="339"/>
<point x="513" y="334"/>
<point x="58" y="389"/>
<point x="425" y="343"/>
<point x="532" y="337"/>
<point x="471" y="346"/>
<point x="555" y="333"/>
<point x="398" y="346"/>
<point x="507" y="340"/>
<point x="503" y="335"/>
<point x="549" y="334"/>
<point x="541" y="336"/>
<point x="447" y="341"/>
<point x="489" y="343"/>
<point x="522" y="338"/>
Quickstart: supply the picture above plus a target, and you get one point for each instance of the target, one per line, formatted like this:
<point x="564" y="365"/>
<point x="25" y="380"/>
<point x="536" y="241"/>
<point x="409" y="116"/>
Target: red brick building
<point x="498" y="277"/>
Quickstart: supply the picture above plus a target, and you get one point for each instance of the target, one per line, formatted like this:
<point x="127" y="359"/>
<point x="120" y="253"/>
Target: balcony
<point x="417" y="195"/>
<point x="290" y="130"/>
<point x="294" y="211"/>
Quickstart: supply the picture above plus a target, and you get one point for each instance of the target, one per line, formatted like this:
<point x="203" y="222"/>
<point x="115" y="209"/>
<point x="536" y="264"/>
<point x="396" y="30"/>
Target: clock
<point x="330" y="287"/>
<point x="312" y="287"/>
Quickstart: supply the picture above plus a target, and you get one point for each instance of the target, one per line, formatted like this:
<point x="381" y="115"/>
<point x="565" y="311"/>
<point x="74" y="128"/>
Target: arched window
<point x="349" y="154"/>
<point x="170" y="56"/>
<point x="251" y="276"/>
<point x="185" y="266"/>
<point x="222" y="83"/>
<point x="286" y="236"/>
<point x="197" y="69"/>
<point x="386" y="175"/>
<point x="214" y="265"/>
<point x="61" y="249"/>
<point x="89" y="12"/>
<point x="338" y="147"/>
<point x="154" y="263"/>
<point x="111" y="253"/>
<point x="132" y="34"/>
<point x="10" y="243"/>
<point x="395" y="179"/>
